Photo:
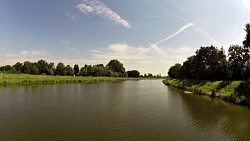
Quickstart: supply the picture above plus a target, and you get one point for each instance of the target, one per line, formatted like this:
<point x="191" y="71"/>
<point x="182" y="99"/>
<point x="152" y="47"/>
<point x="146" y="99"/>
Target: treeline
<point x="113" y="69"/>
<point x="211" y="63"/>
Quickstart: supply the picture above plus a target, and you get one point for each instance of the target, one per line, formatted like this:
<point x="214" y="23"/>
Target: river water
<point x="128" y="110"/>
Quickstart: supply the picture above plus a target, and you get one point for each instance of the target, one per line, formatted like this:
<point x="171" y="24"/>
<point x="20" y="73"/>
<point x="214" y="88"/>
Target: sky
<point x="145" y="35"/>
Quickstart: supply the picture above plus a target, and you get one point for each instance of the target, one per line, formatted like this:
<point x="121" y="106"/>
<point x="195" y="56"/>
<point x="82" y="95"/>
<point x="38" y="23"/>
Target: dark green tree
<point x="43" y="67"/>
<point x="116" y="66"/>
<point x="34" y="70"/>
<point x="175" y="71"/>
<point x="18" y="66"/>
<point x="246" y="43"/>
<point x="236" y="62"/>
<point x="133" y="73"/>
<point x="60" y="69"/>
<point x="51" y="69"/>
<point x="69" y="70"/>
<point x="27" y="66"/>
<point x="90" y="70"/>
<point x="209" y="62"/>
<point x="76" y="70"/>
<point x="188" y="69"/>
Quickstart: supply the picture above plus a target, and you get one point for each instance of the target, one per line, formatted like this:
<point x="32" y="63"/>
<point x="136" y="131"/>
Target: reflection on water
<point x="212" y="113"/>
<point x="130" y="110"/>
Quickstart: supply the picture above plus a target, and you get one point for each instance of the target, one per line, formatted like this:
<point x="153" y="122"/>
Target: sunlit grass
<point x="235" y="91"/>
<point x="26" y="79"/>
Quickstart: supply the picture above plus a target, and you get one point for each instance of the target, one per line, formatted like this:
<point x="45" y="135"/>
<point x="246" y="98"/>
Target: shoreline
<point x="7" y="80"/>
<point x="26" y="79"/>
<point x="237" y="92"/>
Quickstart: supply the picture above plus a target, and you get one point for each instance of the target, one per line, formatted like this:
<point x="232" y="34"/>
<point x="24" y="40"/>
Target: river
<point x="126" y="110"/>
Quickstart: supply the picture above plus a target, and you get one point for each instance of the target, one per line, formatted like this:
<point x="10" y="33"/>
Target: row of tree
<point x="211" y="63"/>
<point x="114" y="69"/>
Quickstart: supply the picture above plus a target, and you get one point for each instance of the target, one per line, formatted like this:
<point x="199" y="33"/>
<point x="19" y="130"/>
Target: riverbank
<point x="26" y="79"/>
<point x="237" y="92"/>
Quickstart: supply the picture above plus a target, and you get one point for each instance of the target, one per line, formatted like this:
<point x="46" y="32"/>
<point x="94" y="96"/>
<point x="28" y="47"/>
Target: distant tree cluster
<point x="211" y="63"/>
<point x="113" y="69"/>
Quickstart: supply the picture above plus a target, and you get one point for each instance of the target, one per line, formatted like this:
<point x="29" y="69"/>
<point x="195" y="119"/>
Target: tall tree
<point x="42" y="66"/>
<point x="69" y="70"/>
<point x="133" y="73"/>
<point x="246" y="43"/>
<point x="175" y="71"/>
<point x="188" y="69"/>
<point x="18" y="66"/>
<point x="60" y="69"/>
<point x="236" y="62"/>
<point x="51" y="69"/>
<point x="76" y="69"/>
<point x="27" y="66"/>
<point x="116" y="66"/>
<point x="209" y="62"/>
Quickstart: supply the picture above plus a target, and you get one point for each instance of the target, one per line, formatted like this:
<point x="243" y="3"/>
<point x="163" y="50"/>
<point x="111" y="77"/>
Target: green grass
<point x="237" y="92"/>
<point x="26" y="79"/>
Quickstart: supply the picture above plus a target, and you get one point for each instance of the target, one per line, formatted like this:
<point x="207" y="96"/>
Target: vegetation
<point x="41" y="72"/>
<point x="234" y="91"/>
<point x="113" y="69"/>
<point x="27" y="79"/>
<point x="211" y="63"/>
<point x="210" y="72"/>
<point x="133" y="73"/>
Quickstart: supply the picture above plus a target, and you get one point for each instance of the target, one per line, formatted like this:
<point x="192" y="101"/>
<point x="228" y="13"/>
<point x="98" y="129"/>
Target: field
<point x="26" y="79"/>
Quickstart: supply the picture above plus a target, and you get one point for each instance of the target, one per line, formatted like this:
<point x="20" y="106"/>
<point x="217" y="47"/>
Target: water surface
<point x="129" y="110"/>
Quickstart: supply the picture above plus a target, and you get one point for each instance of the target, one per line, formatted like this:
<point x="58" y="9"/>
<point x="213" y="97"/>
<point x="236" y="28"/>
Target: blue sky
<point x="146" y="35"/>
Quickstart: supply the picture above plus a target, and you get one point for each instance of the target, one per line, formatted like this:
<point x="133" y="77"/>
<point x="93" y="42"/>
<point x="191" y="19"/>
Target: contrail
<point x="157" y="48"/>
<point x="175" y="34"/>
<point x="194" y="25"/>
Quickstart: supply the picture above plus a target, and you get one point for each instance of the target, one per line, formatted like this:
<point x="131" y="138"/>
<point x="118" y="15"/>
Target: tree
<point x="76" y="70"/>
<point x="116" y="66"/>
<point x="51" y="69"/>
<point x="43" y="67"/>
<point x="99" y="70"/>
<point x="60" y="69"/>
<point x="83" y="70"/>
<point x="34" y="70"/>
<point x="235" y="54"/>
<point x="27" y="66"/>
<point x="90" y="70"/>
<point x="175" y="71"/>
<point x="69" y="70"/>
<point x="246" y="43"/>
<point x="133" y="73"/>
<point x="188" y="69"/>
<point x="209" y="62"/>
<point x="18" y="66"/>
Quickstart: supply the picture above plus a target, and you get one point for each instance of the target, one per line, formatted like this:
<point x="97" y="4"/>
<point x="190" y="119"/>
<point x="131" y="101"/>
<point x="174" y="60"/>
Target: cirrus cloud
<point x="99" y="8"/>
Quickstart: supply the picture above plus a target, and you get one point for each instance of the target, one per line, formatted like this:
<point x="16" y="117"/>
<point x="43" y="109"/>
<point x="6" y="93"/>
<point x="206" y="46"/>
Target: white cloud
<point x="150" y="59"/>
<point x="25" y="53"/>
<point x="99" y="8"/>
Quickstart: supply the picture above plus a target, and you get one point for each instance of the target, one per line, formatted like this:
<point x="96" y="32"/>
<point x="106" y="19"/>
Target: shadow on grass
<point x="191" y="83"/>
<point x="223" y="84"/>
<point x="243" y="93"/>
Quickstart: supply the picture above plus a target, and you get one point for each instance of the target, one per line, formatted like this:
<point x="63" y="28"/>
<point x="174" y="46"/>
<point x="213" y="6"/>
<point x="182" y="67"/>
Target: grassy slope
<point x="235" y="91"/>
<point x="25" y="79"/>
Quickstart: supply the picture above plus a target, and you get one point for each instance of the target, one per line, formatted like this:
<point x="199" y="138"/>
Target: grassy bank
<point x="237" y="92"/>
<point x="26" y="79"/>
